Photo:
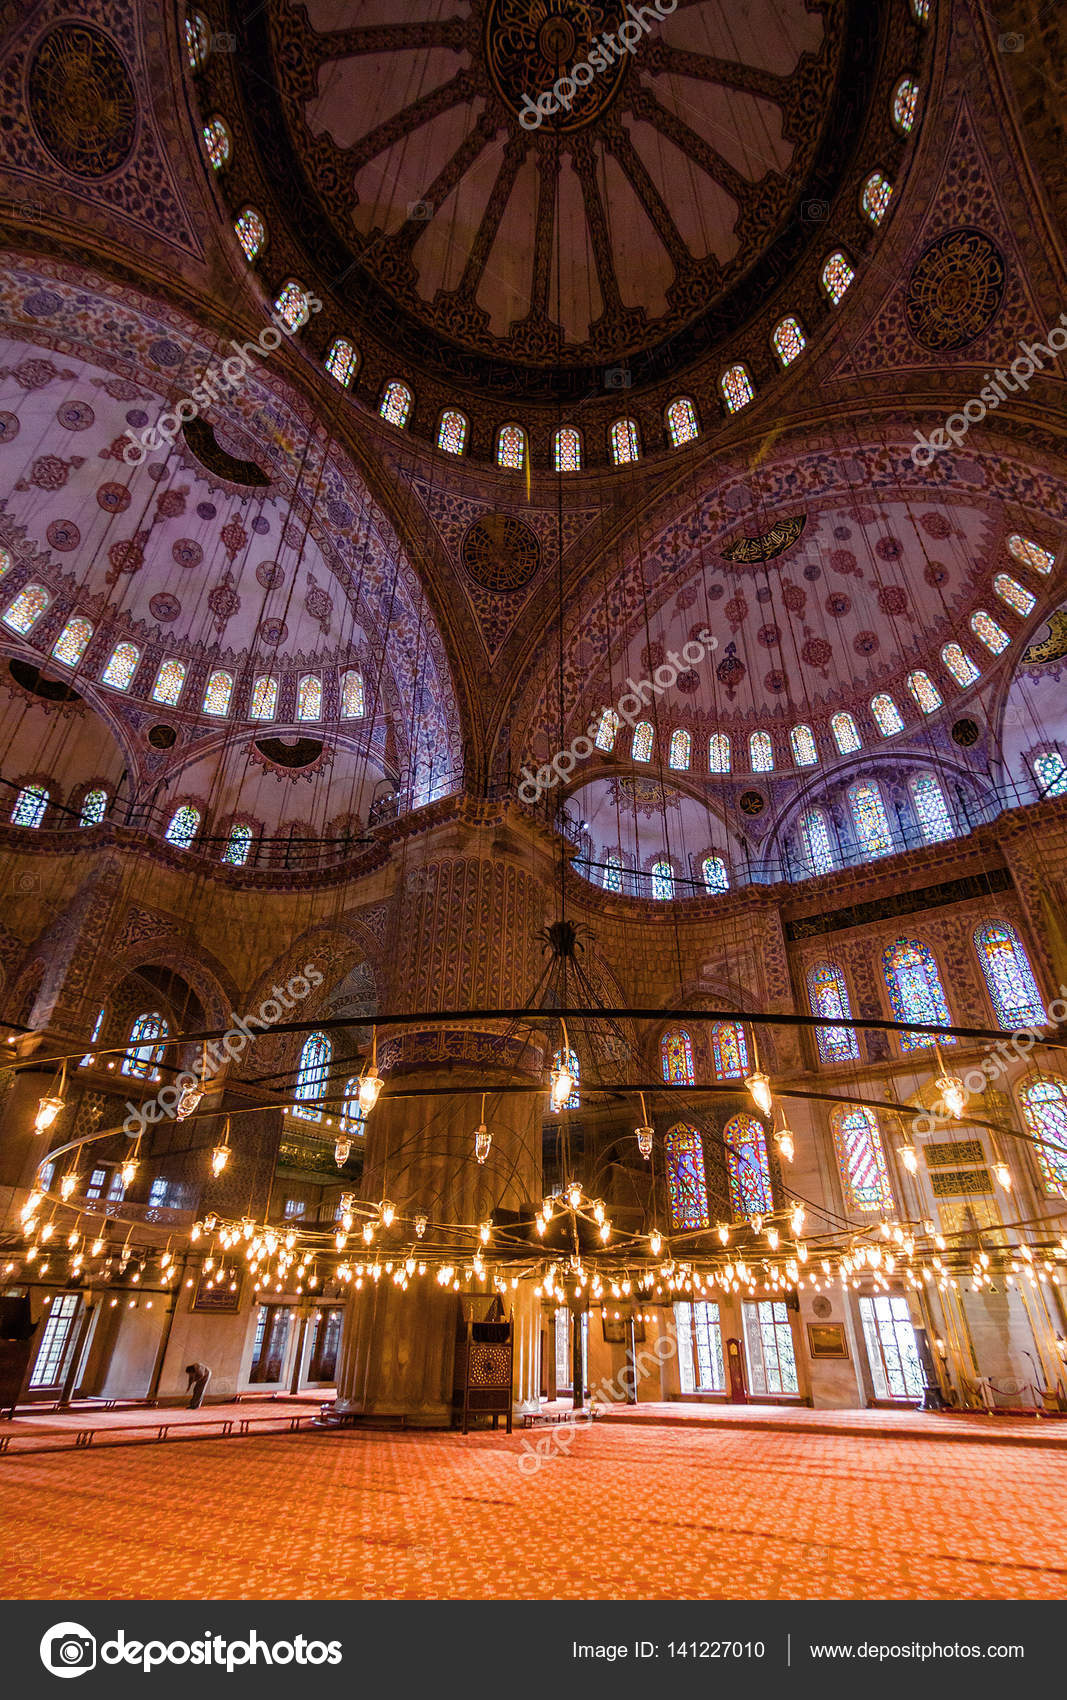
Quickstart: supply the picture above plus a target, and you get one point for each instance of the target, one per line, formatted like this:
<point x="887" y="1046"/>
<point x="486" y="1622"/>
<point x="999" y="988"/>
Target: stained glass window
<point x="924" y="692"/>
<point x="803" y="741"/>
<point x="846" y="735"/>
<point x="264" y="703"/>
<point x="147" y="1044"/>
<point x="613" y="873"/>
<point x="987" y="631"/>
<point x="396" y="403"/>
<point x="93" y="1037"/>
<point x="1030" y="554"/>
<point x="27" y="608"/>
<point x="718" y="753"/>
<point x="511" y="447"/>
<point x="122" y="666"/>
<point x="452" y="431"/>
<point x="676" y="1057"/>
<point x="682" y="424"/>
<point x="625" y="442"/>
<point x="641" y="748"/>
<point x="931" y="810"/>
<point x="905" y="104"/>
<point x="217" y="694"/>
<point x="959" y="664"/>
<point x="760" y="752"/>
<point x="342" y="360"/>
<point x="828" y="996"/>
<point x="312" y="1076"/>
<point x="736" y="387"/>
<point x="6" y="559"/>
<point x="1044" y="1103"/>
<point x="94" y="807"/>
<point x="217" y="142"/>
<point x="575" y="1099"/>
<point x="353" y="1115"/>
<point x="70" y="645"/>
<point x="715" y="876"/>
<point x="567" y="449"/>
<point x="837" y="276"/>
<point x="251" y="232"/>
<point x="291" y="304"/>
<point x="30" y="806"/>
<point x="1009" y="976"/>
<point x="869" y="818"/>
<point x="662" y="880"/>
<point x="861" y="1159"/>
<point x="605" y="732"/>
<point x="197" y="39"/>
<point x="1050" y="771"/>
<point x="749" y="1170"/>
<point x="185" y="823"/>
<point x="915" y="991"/>
<point x="886" y="715"/>
<point x="169" y="682"/>
<point x="352" y="703"/>
<point x="788" y="340"/>
<point x="772" y="1366"/>
<point x="238" y="846"/>
<point x="877" y="192"/>
<point x="818" y="841"/>
<point x="920" y="11"/>
<point x="729" y="1050"/>
<point x="680" y="746"/>
<point x="1012" y="592"/>
<point x="687" y="1188"/>
<point x="309" y="698"/>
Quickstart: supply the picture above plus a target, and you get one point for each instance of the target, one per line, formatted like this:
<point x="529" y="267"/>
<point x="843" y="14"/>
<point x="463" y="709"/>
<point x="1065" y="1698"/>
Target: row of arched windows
<point x="313" y="1085"/>
<point x="747" y="1164"/>
<point x="31" y="806"/>
<point x="714" y="876"/>
<point x="823" y="852"/>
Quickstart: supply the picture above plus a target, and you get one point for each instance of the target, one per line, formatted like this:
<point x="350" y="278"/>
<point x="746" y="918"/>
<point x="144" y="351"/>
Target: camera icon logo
<point x="815" y="212"/>
<point x="421" y="211"/>
<point x="617" y="378"/>
<point x="68" y="1649"/>
<point x="1011" y="43"/>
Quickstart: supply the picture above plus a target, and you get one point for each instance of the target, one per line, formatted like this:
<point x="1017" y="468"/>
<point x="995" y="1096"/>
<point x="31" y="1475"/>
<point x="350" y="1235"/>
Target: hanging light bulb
<point x="47" y="1111"/>
<point x="219" y="1159"/>
<point x="909" y="1157"/>
<point x="953" y="1094"/>
<point x="370" y="1082"/>
<point x="605" y="1231"/>
<point x="724" y="1233"/>
<point x="756" y="1224"/>
<point x="644" y="1140"/>
<point x="574" y="1195"/>
<point x="786" y="1143"/>
<point x="342" y="1150"/>
<point x="128" y="1172"/>
<point x="1002" y="1175"/>
<point x="421" y="1224"/>
<point x="188" y="1101"/>
<point x="561" y="1085"/>
<point x="796" y="1218"/>
<point x="368" y="1232"/>
<point x="760" y="1087"/>
<point x="68" y="1184"/>
<point x="773" y="1238"/>
<point x="484" y="1232"/>
<point x="483" y="1139"/>
<point x="655" y="1242"/>
<point x="387" y="1211"/>
<point x="540" y="1224"/>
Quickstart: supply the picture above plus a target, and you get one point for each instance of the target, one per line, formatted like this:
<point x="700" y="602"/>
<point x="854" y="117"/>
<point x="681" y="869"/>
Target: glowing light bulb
<point x="47" y="1111"/>
<point x="368" y="1233"/>
<point x="953" y="1094"/>
<point x="561" y="1085"/>
<point x="421" y="1224"/>
<point x="574" y="1195"/>
<point x="342" y="1150"/>
<point x="756" y="1223"/>
<point x="909" y="1157"/>
<point x="605" y="1231"/>
<point x="773" y="1237"/>
<point x="655" y="1242"/>
<point x="644" y="1140"/>
<point x="540" y="1224"/>
<point x="1002" y="1176"/>
<point x="724" y="1233"/>
<point x="483" y="1139"/>
<point x="760" y="1087"/>
<point x="31" y="1205"/>
<point x="370" y="1085"/>
<point x="786" y="1144"/>
<point x="598" y="1211"/>
<point x="188" y="1101"/>
<point x="387" y="1212"/>
<point x="796" y="1218"/>
<point x="219" y="1159"/>
<point x="68" y="1184"/>
<point x="484" y="1232"/>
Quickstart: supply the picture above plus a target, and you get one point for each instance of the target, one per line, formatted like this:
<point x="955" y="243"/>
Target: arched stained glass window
<point x="662" y="880"/>
<point x="352" y="701"/>
<point x="886" y="715"/>
<point x="818" y="841"/>
<point x="915" y="991"/>
<point x="341" y="361"/>
<point x="869" y="818"/>
<point x="121" y="667"/>
<point x="729" y="1050"/>
<point x="760" y="752"/>
<point x="1012" y="592"/>
<point x="70" y="645"/>
<point x="452" y="431"/>
<point x="714" y="874"/>
<point x="987" y="631"/>
<point x="676" y="1057"/>
<point x="1009" y="976"/>
<point x="846" y="735"/>
<point x="353" y="1116"/>
<point x="931" y="810"/>
<point x="1050" y="771"/>
<point x="828" y="996"/>
<point x="183" y="828"/>
<point x="169" y="682"/>
<point x="687" y="1187"/>
<point x="736" y="387"/>
<point x="27" y="608"/>
<point x="217" y="142"/>
<point x="803" y="741"/>
<point x="197" y="39"/>
<point x="312" y="1077"/>
<point x="924" y="692"/>
<point x="641" y="748"/>
<point x="876" y="196"/>
<point x="625" y="442"/>
<point x="146" y="1043"/>
<point x="238" y="846"/>
<point x="251" y="232"/>
<point x="750" y="1172"/>
<point x="681" y="417"/>
<point x="605" y="732"/>
<point x="959" y="664"/>
<point x="309" y="697"/>
<point x="291" y="304"/>
<point x="511" y="447"/>
<point x="94" y="807"/>
<point x="396" y="403"/>
<point x="30" y="806"/>
<point x="861" y="1159"/>
<point x="567" y="449"/>
<point x="905" y="105"/>
<point x="1044" y="1103"/>
<point x="217" y="695"/>
<point x="920" y="11"/>
<point x="88" y="1059"/>
<point x="788" y="340"/>
<point x="1030" y="554"/>
<point x="264" y="704"/>
<point x="680" y="746"/>
<point x="575" y="1099"/>
<point x="837" y="276"/>
<point x="718" y="753"/>
<point x="613" y="873"/>
<point x="6" y="559"/>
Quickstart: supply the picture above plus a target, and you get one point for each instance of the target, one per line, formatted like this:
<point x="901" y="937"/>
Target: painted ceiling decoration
<point x="781" y="536"/>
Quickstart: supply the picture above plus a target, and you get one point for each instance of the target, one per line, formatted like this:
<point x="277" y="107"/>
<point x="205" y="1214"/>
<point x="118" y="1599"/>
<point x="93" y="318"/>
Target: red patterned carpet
<point x="655" y="1513"/>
